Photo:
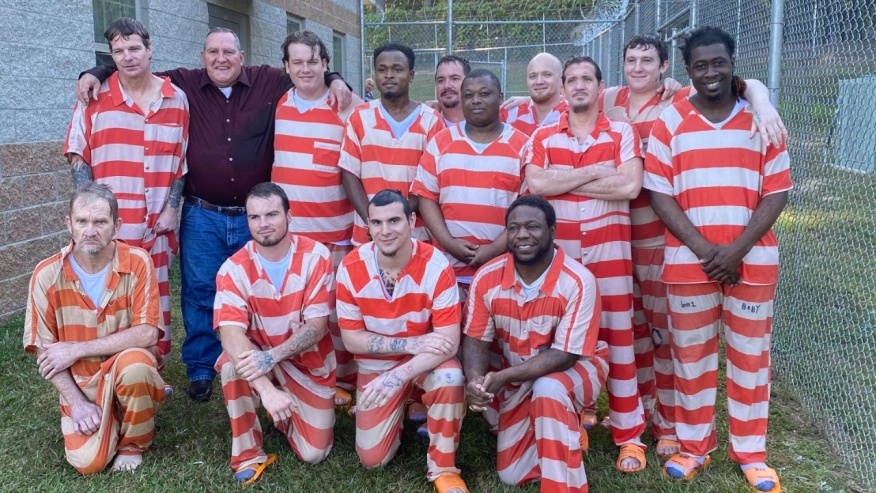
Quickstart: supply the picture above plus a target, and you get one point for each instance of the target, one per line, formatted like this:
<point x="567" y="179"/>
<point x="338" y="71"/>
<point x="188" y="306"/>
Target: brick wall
<point x="47" y="44"/>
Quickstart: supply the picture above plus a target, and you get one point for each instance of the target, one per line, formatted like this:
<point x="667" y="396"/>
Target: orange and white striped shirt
<point x="425" y="296"/>
<point x="138" y="153"/>
<point x="524" y="119"/>
<point x="563" y="314"/>
<point x="246" y="298"/>
<point x="589" y="230"/>
<point x="647" y="228"/>
<point x="58" y="310"/>
<point x="371" y="152"/>
<point x="718" y="175"/>
<point x="307" y="147"/>
<point x="472" y="187"/>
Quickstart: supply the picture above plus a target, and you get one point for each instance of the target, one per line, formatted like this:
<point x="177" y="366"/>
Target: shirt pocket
<point x="505" y="189"/>
<point x="326" y="156"/>
<point x="167" y="139"/>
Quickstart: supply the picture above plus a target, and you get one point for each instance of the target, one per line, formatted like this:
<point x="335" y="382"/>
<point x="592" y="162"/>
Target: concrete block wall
<point x="44" y="47"/>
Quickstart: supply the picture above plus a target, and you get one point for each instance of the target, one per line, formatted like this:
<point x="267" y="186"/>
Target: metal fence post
<point x="775" y="62"/>
<point x="362" y="43"/>
<point x="449" y="27"/>
<point x="657" y="14"/>
<point x="636" y="21"/>
<point x="693" y="15"/>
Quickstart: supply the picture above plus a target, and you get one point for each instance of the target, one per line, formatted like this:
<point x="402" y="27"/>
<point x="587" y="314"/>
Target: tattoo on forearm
<point x="374" y="345"/>
<point x="176" y="189"/>
<point x="264" y="361"/>
<point x="81" y="173"/>
<point x="397" y="345"/>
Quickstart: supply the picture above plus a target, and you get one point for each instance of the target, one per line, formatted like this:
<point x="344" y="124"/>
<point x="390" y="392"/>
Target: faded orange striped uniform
<point x="246" y="298"/>
<point x="651" y="326"/>
<point x="307" y="147"/>
<point x="597" y="233"/>
<point x="473" y="188"/>
<point x="138" y="153"/>
<point x="718" y="176"/>
<point x="58" y="311"/>
<point x="524" y="119"/>
<point x="538" y="434"/>
<point x="371" y="152"/>
<point x="425" y="296"/>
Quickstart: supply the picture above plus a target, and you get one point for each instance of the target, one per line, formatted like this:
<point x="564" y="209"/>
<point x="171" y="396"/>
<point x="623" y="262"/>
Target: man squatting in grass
<point x="93" y="319"/>
<point x="272" y="309"/>
<point x="718" y="192"/>
<point x="640" y="102"/>
<point x="309" y="129"/>
<point x="134" y="139"/>
<point x="398" y="307"/>
<point x="541" y="307"/>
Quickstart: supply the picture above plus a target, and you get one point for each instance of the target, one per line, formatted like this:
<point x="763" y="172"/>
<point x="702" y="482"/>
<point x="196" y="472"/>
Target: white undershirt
<point x="304" y="104"/>
<point x="276" y="271"/>
<point x="530" y="289"/>
<point x="92" y="284"/>
<point x="226" y="91"/>
<point x="400" y="127"/>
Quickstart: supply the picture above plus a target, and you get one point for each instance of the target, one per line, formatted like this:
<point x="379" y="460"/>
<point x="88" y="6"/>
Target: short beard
<point x="541" y="99"/>
<point x="389" y="94"/>
<point x="270" y="241"/>
<point x="453" y="103"/>
<point x="581" y="108"/>
<point x="538" y="257"/>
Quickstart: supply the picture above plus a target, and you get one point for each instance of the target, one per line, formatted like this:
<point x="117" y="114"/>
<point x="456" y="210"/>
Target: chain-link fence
<point x="825" y="326"/>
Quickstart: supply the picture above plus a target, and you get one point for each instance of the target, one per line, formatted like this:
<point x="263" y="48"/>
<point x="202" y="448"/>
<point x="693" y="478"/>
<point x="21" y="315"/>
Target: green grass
<point x="192" y="447"/>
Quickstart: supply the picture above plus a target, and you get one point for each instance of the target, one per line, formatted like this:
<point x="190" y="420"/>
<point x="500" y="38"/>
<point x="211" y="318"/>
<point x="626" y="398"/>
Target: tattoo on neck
<point x="389" y="281"/>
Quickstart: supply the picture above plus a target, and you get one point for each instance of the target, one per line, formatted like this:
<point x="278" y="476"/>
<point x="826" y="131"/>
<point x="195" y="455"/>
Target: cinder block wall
<point x="50" y="43"/>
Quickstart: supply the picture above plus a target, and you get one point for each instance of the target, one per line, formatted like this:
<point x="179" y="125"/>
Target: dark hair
<point x="482" y="72"/>
<point x="93" y="190"/>
<point x="646" y="41"/>
<point x="405" y="50"/>
<point x="307" y="38"/>
<point x="124" y="27"/>
<point x="389" y="196"/>
<point x="534" y="201"/>
<point x="705" y="36"/>
<point x="582" y="59"/>
<point x="466" y="67"/>
<point x="266" y="190"/>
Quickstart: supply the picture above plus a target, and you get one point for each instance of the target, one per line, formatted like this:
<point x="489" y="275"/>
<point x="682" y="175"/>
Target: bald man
<point x="543" y="79"/>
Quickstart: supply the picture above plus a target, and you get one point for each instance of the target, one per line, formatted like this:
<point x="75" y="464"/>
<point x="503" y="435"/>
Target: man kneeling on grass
<point x="92" y="319"/>
<point x="271" y="311"/>
<point x="398" y="308"/>
<point x="541" y="308"/>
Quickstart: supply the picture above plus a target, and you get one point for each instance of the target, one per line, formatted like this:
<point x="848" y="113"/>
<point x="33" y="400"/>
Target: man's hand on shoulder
<point x="56" y="358"/>
<point x="339" y="92"/>
<point x="86" y="417"/>
<point x="87" y="88"/>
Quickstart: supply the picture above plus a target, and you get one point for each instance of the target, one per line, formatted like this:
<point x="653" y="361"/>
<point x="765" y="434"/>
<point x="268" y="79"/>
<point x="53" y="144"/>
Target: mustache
<point x="449" y="91"/>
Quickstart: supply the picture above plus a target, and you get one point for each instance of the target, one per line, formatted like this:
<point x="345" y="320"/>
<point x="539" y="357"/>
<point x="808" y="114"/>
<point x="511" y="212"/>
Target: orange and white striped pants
<point x="695" y="312"/>
<point x="616" y="330"/>
<point x="346" y="371"/>
<point x="538" y="426"/>
<point x="378" y="430"/>
<point x="126" y="384"/>
<point x="310" y="429"/>
<point x="651" y="342"/>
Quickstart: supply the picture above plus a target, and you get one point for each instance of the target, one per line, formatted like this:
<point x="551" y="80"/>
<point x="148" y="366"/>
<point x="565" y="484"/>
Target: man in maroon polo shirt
<point x="231" y="149"/>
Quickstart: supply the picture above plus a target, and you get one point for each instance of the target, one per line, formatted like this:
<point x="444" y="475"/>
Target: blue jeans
<point x="206" y="240"/>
